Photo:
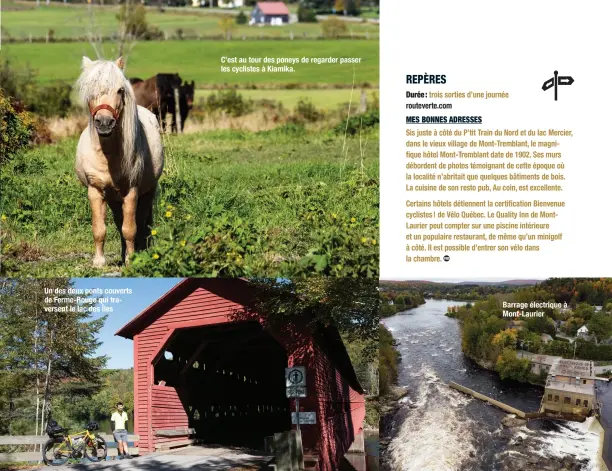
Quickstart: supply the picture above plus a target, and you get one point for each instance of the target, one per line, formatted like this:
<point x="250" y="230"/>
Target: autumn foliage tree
<point x="509" y="366"/>
<point x="505" y="338"/>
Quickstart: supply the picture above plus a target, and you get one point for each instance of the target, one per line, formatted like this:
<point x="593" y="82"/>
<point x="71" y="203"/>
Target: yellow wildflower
<point x="353" y="220"/>
<point x="183" y="242"/>
<point x="153" y="232"/>
<point x="168" y="214"/>
<point x="155" y="256"/>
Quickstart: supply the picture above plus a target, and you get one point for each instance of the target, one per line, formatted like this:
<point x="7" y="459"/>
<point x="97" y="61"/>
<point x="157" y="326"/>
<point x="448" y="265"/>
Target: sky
<point x="145" y="291"/>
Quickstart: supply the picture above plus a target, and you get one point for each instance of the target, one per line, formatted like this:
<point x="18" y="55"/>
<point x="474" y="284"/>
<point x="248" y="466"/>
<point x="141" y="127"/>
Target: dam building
<point x="570" y="388"/>
<point x="570" y="384"/>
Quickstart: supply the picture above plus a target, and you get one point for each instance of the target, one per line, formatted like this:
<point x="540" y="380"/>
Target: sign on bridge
<point x="296" y="391"/>
<point x="306" y="418"/>
<point x="295" y="381"/>
<point x="295" y="376"/>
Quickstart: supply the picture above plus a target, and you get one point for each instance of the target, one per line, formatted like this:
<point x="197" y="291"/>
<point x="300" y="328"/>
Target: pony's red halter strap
<point x="104" y="106"/>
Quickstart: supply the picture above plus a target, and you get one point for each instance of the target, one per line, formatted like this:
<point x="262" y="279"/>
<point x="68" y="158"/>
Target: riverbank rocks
<point x="397" y="392"/>
<point x="512" y="420"/>
<point x="523" y="458"/>
<point x="391" y="402"/>
<point x="518" y="462"/>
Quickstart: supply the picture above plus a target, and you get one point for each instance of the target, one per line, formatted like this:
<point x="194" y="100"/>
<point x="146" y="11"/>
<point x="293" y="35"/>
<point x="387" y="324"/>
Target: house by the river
<point x="570" y="384"/>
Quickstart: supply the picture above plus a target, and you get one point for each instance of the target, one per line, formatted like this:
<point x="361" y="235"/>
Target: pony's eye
<point x="121" y="91"/>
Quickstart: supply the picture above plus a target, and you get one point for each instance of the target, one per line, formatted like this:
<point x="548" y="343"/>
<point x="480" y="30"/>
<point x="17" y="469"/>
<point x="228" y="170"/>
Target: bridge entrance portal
<point x="227" y="380"/>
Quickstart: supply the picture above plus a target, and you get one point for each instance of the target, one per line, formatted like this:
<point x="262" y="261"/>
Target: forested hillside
<point x="492" y="339"/>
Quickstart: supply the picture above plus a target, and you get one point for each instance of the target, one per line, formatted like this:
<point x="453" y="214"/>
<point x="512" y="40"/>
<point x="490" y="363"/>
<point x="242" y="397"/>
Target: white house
<point x="220" y="3"/>
<point x="231" y="4"/>
<point x="583" y="331"/>
<point x="272" y="13"/>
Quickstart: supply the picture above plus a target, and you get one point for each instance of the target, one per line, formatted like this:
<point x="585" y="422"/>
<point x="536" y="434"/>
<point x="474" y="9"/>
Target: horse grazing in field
<point x="157" y="95"/>
<point x="119" y="157"/>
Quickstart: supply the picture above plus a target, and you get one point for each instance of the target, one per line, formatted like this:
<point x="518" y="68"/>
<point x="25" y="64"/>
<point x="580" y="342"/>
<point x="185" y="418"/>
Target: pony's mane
<point x="102" y="77"/>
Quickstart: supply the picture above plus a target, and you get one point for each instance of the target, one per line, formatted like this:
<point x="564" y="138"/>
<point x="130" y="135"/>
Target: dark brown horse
<point x="157" y="94"/>
<point x="186" y="95"/>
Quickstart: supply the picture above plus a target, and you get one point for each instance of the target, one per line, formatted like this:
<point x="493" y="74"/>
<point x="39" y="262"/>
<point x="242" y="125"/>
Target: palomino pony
<point x="119" y="158"/>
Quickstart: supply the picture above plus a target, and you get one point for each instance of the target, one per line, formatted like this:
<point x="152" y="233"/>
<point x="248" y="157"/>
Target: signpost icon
<point x="556" y="81"/>
<point x="295" y="377"/>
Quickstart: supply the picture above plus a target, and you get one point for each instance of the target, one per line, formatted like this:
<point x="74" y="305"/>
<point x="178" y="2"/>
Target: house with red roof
<point x="272" y="13"/>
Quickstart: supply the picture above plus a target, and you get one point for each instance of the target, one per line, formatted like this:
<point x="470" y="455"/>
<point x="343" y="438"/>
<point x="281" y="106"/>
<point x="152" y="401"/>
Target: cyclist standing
<point x="119" y="419"/>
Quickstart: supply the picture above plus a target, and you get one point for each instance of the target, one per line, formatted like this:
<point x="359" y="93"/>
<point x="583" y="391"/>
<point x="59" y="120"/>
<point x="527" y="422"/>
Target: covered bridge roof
<point x="240" y="291"/>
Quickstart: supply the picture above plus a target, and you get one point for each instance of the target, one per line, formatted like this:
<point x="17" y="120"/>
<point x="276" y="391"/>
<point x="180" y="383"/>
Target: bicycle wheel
<point x="56" y="452"/>
<point x="96" y="450"/>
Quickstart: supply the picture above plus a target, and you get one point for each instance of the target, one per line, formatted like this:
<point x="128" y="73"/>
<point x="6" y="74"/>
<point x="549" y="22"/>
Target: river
<point x="440" y="429"/>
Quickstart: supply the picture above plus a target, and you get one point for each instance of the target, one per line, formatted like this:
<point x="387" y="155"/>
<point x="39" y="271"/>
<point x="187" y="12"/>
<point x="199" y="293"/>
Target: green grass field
<point x="257" y="198"/>
<point x="201" y="60"/>
<point x="75" y="21"/>
<point x="322" y="99"/>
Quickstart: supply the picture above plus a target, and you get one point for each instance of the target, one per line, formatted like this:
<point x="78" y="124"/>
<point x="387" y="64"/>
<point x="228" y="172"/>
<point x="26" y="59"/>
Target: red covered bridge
<point x="199" y="364"/>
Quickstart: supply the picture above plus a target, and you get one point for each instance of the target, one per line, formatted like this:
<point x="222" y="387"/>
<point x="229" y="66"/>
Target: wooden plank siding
<point x="200" y="307"/>
<point x="340" y="409"/>
<point x="167" y="412"/>
<point x="341" y="412"/>
<point x="333" y="391"/>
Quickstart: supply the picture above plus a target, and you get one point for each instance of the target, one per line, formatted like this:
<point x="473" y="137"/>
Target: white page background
<point x="512" y="47"/>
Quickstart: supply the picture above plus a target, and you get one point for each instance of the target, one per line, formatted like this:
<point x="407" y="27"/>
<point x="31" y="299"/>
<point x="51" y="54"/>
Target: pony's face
<point x="103" y="87"/>
<point x="106" y="110"/>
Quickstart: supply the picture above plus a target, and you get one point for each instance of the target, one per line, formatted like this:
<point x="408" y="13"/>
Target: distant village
<point x="574" y="326"/>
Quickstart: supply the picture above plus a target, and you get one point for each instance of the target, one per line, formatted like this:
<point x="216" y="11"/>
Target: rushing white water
<point x="575" y="439"/>
<point x="436" y="436"/>
<point x="571" y="439"/>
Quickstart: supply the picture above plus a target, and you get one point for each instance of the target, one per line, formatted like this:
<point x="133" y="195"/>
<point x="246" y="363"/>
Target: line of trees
<point x="44" y="355"/>
<point x="492" y="340"/>
<point x="389" y="359"/>
<point x="394" y="301"/>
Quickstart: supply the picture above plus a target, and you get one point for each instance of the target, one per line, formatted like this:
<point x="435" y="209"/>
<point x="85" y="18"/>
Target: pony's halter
<point x="104" y="106"/>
